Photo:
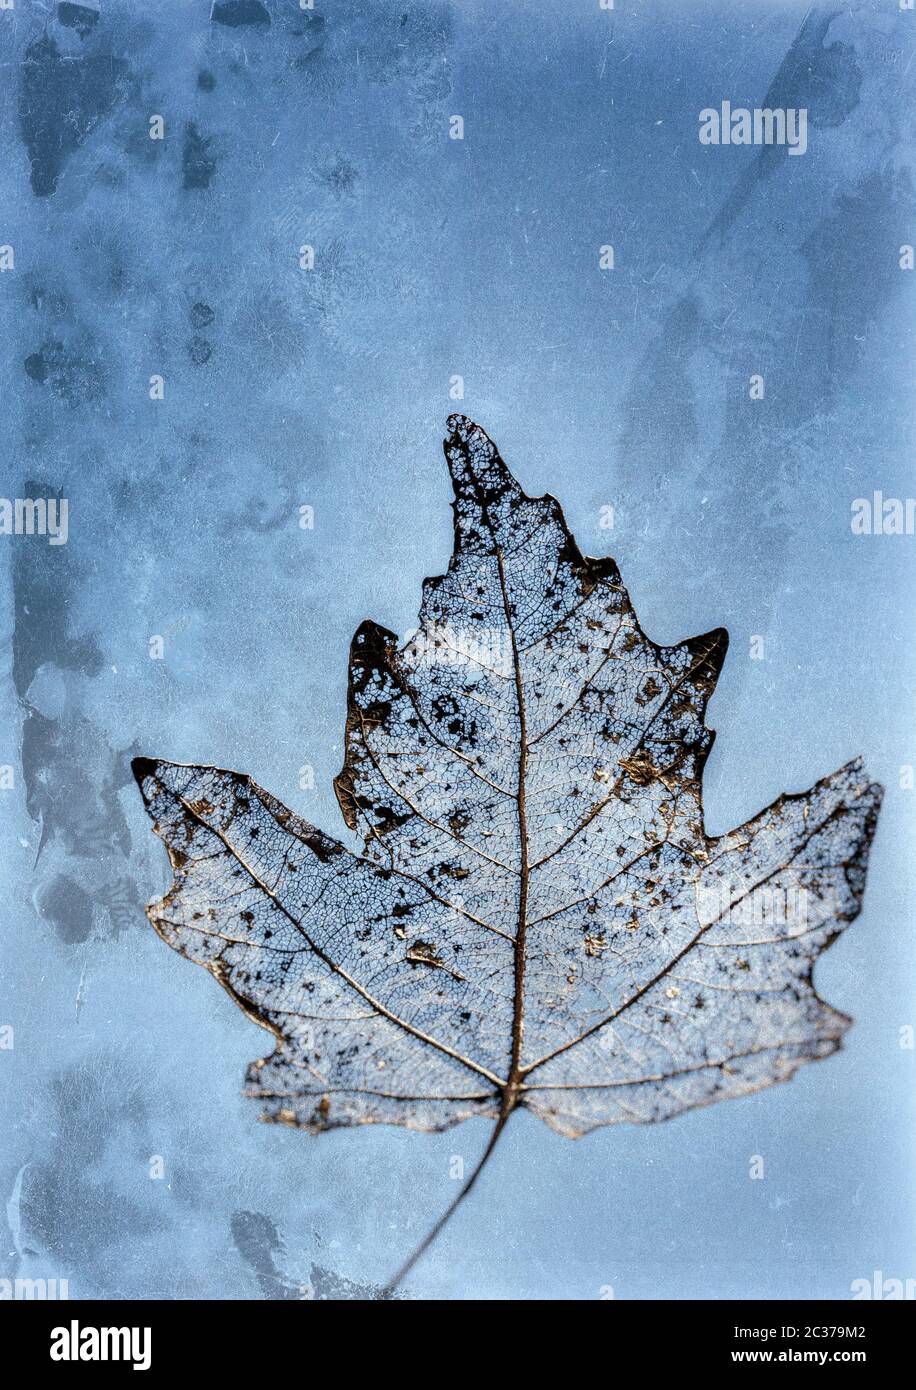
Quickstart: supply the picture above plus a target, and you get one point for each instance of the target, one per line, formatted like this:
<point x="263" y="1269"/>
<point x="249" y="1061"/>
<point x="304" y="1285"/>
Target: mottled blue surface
<point x="434" y="258"/>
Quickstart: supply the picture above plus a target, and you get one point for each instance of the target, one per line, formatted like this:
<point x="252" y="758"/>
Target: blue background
<point x="628" y="388"/>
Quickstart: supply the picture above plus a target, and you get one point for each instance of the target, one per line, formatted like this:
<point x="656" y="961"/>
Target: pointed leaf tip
<point x="709" y="651"/>
<point x="486" y="493"/>
<point x="461" y="428"/>
<point x="143" y="768"/>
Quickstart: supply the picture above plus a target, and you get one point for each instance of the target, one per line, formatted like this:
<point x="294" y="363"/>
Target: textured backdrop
<point x="129" y="1163"/>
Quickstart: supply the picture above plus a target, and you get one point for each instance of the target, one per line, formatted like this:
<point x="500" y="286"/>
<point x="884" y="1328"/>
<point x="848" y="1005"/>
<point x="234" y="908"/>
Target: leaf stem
<point x="450" y="1210"/>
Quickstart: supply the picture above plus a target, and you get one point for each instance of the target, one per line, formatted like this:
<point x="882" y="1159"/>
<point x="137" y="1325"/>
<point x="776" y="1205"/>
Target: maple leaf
<point x="537" y="918"/>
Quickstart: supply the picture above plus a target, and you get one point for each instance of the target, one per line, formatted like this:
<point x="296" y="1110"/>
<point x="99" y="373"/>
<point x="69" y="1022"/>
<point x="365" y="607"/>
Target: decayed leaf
<point x="537" y="917"/>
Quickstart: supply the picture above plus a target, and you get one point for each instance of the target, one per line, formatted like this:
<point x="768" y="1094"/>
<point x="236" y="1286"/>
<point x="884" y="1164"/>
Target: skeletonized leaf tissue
<point x="537" y="917"/>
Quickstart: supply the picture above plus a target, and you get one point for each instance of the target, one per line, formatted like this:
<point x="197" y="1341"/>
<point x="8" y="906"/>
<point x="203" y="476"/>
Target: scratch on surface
<point x="13" y="1212"/>
<point x="81" y="992"/>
